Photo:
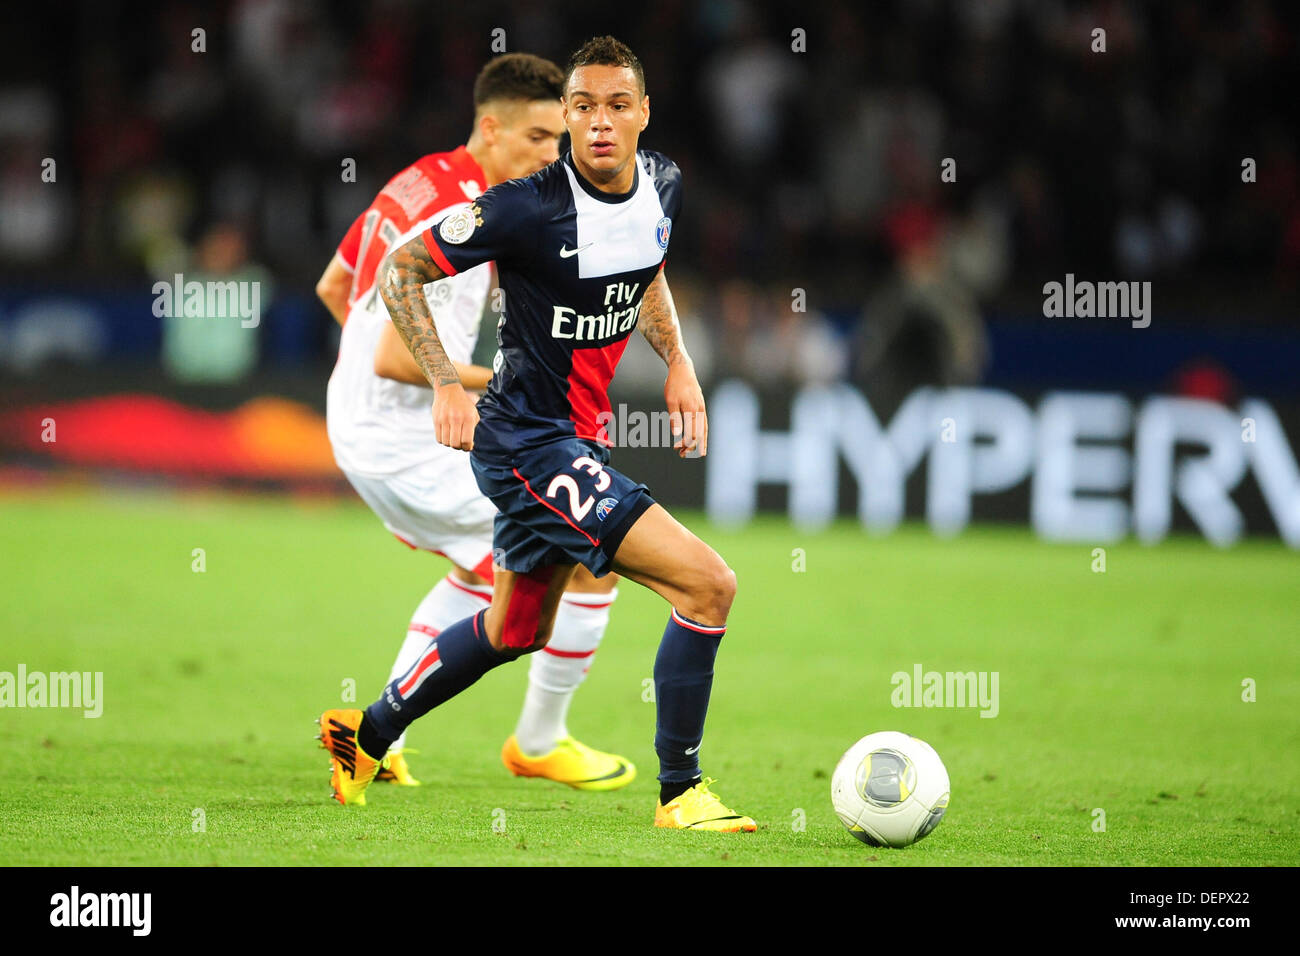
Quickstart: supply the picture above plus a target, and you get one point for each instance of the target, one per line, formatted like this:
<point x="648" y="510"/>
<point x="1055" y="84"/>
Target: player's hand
<point x="454" y="417"/>
<point x="690" y="423"/>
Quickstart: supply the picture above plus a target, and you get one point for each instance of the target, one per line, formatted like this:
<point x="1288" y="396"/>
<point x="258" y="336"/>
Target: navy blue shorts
<point x="559" y="503"/>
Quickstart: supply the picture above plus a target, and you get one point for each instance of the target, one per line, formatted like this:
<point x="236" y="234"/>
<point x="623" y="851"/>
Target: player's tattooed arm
<point x="658" y="323"/>
<point x="405" y="273"/>
<point x="682" y="393"/>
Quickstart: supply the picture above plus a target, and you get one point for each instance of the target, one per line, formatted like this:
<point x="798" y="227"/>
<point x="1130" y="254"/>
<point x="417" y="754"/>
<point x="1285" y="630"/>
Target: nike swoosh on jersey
<point x="566" y="253"/>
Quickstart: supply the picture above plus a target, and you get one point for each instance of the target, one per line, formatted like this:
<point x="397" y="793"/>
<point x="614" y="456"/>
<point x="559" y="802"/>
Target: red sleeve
<point x="439" y="257"/>
<point x="351" y="243"/>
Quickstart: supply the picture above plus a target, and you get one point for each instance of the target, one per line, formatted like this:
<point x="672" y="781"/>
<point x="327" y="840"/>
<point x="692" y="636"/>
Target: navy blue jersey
<point x="574" y="264"/>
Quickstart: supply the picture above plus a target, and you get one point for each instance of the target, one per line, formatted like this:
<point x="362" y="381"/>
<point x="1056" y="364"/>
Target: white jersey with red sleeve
<point x="428" y="187"/>
<point x="377" y="426"/>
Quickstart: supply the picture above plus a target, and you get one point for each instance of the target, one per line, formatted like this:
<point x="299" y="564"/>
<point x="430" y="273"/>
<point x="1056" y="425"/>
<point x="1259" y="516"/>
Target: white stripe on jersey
<point x="616" y="237"/>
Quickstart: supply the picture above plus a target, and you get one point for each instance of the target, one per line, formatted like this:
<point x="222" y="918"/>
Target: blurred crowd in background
<point x="811" y="135"/>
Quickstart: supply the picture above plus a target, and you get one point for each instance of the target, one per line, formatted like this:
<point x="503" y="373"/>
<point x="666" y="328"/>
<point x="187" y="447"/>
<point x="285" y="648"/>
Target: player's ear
<point x="488" y="126"/>
<point x="645" y="112"/>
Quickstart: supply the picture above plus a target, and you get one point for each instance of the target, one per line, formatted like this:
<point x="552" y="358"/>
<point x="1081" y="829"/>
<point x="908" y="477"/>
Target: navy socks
<point x="454" y="660"/>
<point x="683" y="679"/>
<point x="461" y="654"/>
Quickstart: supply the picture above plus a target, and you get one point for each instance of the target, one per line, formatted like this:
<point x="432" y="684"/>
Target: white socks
<point x="448" y="602"/>
<point x="557" y="669"/>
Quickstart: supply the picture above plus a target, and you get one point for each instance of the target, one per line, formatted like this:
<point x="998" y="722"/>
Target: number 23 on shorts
<point x="579" y="506"/>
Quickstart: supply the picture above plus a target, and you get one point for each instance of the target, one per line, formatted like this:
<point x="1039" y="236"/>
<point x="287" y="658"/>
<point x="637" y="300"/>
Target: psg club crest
<point x="662" y="230"/>
<point x="606" y="505"/>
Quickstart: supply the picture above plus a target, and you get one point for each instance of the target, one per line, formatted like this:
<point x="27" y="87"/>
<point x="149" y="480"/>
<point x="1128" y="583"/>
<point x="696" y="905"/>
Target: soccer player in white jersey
<point x="383" y="435"/>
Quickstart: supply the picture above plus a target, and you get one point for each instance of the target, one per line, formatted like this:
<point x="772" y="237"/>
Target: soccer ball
<point x="890" y="789"/>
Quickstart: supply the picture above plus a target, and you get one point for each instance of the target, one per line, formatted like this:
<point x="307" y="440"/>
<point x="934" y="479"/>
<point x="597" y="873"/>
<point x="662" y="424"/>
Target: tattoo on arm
<point x="403" y="277"/>
<point x="658" y="323"/>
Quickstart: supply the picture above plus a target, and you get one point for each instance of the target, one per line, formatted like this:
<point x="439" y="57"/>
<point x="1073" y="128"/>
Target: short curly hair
<point x="606" y="51"/>
<point x="518" y="76"/>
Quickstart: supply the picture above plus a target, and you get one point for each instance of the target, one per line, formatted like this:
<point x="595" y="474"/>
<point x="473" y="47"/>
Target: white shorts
<point x="436" y="506"/>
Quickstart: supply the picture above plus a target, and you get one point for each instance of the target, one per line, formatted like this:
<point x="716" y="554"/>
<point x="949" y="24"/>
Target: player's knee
<point x="725" y="588"/>
<point x="523" y="642"/>
<point x="541" y="637"/>
<point x="520" y="634"/>
<point x="525" y="626"/>
<point x="716" y="591"/>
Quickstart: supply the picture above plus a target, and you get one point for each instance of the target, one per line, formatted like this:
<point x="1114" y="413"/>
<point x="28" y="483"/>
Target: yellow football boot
<point x="571" y="763"/>
<point x="351" y="768"/>
<point x="700" y="809"/>
<point x="396" y="770"/>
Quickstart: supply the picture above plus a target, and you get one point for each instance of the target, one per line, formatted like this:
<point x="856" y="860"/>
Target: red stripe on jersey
<point x="422" y="628"/>
<point x="589" y="380"/>
<point x="439" y="259"/>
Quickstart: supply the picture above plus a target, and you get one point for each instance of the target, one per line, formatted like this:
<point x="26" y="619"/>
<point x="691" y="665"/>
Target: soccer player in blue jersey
<point x="580" y="249"/>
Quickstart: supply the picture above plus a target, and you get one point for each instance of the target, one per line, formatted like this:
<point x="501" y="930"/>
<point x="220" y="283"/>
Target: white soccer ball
<point x="890" y="789"/>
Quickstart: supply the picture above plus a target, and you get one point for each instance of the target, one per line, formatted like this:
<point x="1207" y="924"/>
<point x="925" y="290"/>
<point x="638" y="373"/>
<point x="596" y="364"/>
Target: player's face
<point x="528" y="137"/>
<point x="605" y="113"/>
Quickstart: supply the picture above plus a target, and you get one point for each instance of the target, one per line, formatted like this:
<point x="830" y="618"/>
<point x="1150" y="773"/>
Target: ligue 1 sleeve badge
<point x="459" y="226"/>
<point x="664" y="227"/>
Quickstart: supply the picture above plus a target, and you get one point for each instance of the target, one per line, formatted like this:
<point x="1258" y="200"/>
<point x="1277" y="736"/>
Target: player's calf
<point x="659" y="552"/>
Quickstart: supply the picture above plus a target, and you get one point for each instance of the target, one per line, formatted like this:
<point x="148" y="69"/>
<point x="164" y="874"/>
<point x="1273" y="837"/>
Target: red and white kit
<point x="381" y="430"/>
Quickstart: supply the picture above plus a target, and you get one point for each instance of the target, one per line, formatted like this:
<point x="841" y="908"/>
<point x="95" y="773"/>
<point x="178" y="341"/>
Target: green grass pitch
<point x="1119" y="690"/>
